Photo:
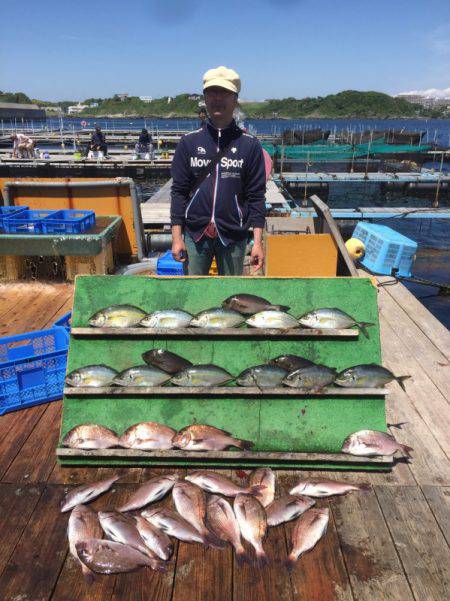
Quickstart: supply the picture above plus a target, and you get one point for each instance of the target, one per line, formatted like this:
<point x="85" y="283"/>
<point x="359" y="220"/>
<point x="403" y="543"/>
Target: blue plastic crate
<point x="8" y="212"/>
<point x="64" y="321"/>
<point x="68" y="221"/>
<point x="386" y="249"/>
<point x="32" y="368"/>
<point x="26" y="222"/>
<point x="166" y="265"/>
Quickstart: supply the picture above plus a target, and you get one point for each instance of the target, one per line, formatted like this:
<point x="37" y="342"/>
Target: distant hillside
<point x="349" y="103"/>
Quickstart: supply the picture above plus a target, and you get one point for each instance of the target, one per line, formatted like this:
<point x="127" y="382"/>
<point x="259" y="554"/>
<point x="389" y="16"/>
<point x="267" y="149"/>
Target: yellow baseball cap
<point x="223" y="78"/>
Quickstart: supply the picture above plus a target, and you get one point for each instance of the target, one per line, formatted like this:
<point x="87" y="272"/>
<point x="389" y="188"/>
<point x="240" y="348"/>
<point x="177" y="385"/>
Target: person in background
<point x="145" y="143"/>
<point x="23" y="146"/>
<point x="203" y="116"/>
<point x="213" y="208"/>
<point x="98" y="141"/>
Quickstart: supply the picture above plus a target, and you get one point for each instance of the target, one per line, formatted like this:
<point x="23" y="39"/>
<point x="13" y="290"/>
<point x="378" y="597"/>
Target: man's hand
<point x="178" y="245"/>
<point x="257" y="256"/>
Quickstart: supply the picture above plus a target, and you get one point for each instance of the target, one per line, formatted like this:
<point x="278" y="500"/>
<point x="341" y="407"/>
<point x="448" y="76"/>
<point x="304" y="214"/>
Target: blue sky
<point x="59" y="50"/>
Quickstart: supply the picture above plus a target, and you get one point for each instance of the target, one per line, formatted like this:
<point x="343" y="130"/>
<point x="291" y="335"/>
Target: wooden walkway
<point x="391" y="543"/>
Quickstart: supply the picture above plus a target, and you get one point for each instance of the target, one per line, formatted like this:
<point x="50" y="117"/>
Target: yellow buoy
<point x="356" y="248"/>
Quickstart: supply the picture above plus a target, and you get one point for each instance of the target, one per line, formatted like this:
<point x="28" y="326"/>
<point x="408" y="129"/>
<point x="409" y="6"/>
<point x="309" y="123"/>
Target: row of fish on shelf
<point x="154" y="436"/>
<point x="163" y="366"/>
<point x="236" y="310"/>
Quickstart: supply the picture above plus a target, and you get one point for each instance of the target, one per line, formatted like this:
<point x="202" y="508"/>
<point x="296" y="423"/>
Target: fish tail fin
<point x="262" y="560"/>
<point x="214" y="541"/>
<point x="243" y="444"/>
<point x="398" y="425"/>
<point x="88" y="575"/>
<point x="407" y="450"/>
<point x="401" y="379"/>
<point x="363" y="325"/>
<point x="290" y="564"/>
<point x="364" y="487"/>
<point x="283" y="308"/>
<point x="242" y="557"/>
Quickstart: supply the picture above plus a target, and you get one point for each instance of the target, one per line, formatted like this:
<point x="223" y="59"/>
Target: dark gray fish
<point x="109" y="557"/>
<point x="142" y="375"/>
<point x="91" y="375"/>
<point x="202" y="375"/>
<point x="326" y="318"/>
<point x="249" y="304"/>
<point x="165" y="360"/>
<point x="117" y="316"/>
<point x="291" y="362"/>
<point x="368" y="375"/>
<point x="311" y="378"/>
<point x="262" y="376"/>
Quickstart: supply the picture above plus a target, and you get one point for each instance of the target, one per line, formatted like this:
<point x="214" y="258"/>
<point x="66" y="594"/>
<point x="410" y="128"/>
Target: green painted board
<point x="273" y="424"/>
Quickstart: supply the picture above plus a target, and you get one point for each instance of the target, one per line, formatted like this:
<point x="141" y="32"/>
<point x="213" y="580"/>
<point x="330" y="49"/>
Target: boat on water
<point x="402" y="136"/>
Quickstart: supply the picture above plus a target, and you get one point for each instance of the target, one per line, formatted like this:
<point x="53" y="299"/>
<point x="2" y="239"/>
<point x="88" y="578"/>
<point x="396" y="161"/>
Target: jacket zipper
<point x="189" y="205"/>
<point x="238" y="209"/>
<point x="216" y="185"/>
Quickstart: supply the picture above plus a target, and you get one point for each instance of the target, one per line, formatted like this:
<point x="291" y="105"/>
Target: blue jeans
<point x="229" y="259"/>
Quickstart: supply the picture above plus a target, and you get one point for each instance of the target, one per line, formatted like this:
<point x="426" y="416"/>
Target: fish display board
<point x="287" y="431"/>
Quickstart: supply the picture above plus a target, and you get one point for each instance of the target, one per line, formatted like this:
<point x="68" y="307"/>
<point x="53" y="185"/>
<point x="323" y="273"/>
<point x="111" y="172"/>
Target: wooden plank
<point x="438" y="498"/>
<point x="212" y="333"/>
<point x="320" y="575"/>
<point x="422" y="392"/>
<point x="438" y="334"/>
<point x="17" y="503"/>
<point x="421" y="350"/>
<point x="372" y="562"/>
<point x="33" y="568"/>
<point x="225" y="455"/>
<point x="324" y="212"/>
<point x="420" y="544"/>
<point x="36" y="458"/>
<point x="206" y="391"/>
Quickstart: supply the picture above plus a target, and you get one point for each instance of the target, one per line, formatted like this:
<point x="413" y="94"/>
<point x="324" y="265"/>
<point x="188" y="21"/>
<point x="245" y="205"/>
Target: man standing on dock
<point x="219" y="184"/>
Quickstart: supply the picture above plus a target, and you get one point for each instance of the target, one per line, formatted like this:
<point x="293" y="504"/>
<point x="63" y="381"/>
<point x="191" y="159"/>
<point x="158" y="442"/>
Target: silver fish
<point x="83" y="524"/>
<point x="154" y="538"/>
<point x="151" y="491"/>
<point x="261" y="376"/>
<point x="249" y="304"/>
<point x="287" y="508"/>
<point x="272" y="320"/>
<point x="252" y="521"/>
<point x="91" y="375"/>
<point x="169" y="319"/>
<point x="147" y="436"/>
<point x="324" y="319"/>
<point x="165" y="360"/>
<point x="141" y="375"/>
<point x="122" y="529"/>
<point x="201" y="437"/>
<point x="214" y="482"/>
<point x="308" y="530"/>
<point x="90" y="436"/>
<point x="173" y="524"/>
<point x="311" y="378"/>
<point x="368" y="375"/>
<point x="371" y="443"/>
<point x="201" y="375"/>
<point x="217" y="318"/>
<point x="190" y="502"/>
<point x="265" y="478"/>
<point x="291" y="362"/>
<point x="86" y="492"/>
<point x="322" y="487"/>
<point x="109" y="557"/>
<point x="117" y="316"/>
<point x="222" y="521"/>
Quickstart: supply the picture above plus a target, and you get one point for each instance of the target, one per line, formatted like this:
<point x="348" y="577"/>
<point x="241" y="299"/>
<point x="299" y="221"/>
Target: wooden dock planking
<point x="410" y="506"/>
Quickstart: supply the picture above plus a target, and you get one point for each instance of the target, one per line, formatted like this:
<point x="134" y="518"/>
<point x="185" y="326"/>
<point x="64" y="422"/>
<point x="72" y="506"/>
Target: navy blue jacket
<point x="233" y="197"/>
